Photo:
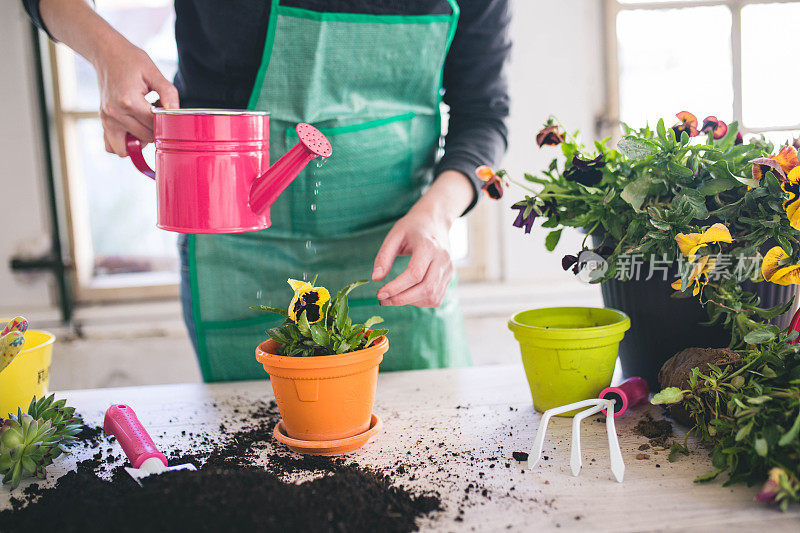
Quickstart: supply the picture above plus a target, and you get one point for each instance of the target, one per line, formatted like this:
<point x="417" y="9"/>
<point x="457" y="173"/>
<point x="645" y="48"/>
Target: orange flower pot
<point x="324" y="398"/>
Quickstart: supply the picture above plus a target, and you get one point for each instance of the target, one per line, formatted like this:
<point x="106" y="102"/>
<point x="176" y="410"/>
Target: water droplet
<point x="321" y="161"/>
<point x="308" y="246"/>
<point x="314" y="206"/>
<point x="258" y="295"/>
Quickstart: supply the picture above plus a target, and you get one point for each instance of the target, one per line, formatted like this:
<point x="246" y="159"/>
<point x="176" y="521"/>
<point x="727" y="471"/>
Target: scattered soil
<point x="229" y="491"/>
<point x="658" y="431"/>
<point x="215" y="499"/>
<point x="677" y="370"/>
<point x="520" y="456"/>
<point x="642" y="456"/>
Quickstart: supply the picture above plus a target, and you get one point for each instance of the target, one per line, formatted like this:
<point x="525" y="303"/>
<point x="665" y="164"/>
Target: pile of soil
<point x="677" y="370"/>
<point x="215" y="499"/>
<point x="228" y="492"/>
<point x="658" y="431"/>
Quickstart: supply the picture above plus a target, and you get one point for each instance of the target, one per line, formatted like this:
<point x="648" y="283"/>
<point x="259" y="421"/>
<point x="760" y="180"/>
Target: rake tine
<point x="617" y="464"/>
<point x="575" y="461"/>
<point x="538" y="443"/>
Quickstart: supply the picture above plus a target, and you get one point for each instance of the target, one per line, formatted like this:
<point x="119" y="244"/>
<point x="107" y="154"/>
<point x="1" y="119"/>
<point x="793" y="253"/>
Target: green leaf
<point x="760" y="446"/>
<point x="716" y="186"/>
<point x="744" y="431"/>
<point x="372" y="321"/>
<point x="759" y="336"/>
<point x="709" y="476"/>
<point x="320" y="334"/>
<point x="675" y="449"/>
<point x="667" y="396"/>
<point x="694" y="201"/>
<point x="636" y="192"/>
<point x="792" y="434"/>
<point x="348" y="289"/>
<point x="747" y="181"/>
<point x="283" y="312"/>
<point x="551" y="241"/>
<point x="772" y="312"/>
<point x="678" y="170"/>
<point x="661" y="130"/>
<point x="303" y="325"/>
<point x="342" y="311"/>
<point x="279" y="335"/>
<point x="635" y="148"/>
<point x="758" y="400"/>
<point x="374" y="334"/>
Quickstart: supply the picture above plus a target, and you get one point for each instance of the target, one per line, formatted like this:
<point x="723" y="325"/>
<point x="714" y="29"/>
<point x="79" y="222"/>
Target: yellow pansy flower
<point x="689" y="243"/>
<point x="792" y="204"/>
<point x="699" y="275"/>
<point x="307" y="298"/>
<point x="781" y="274"/>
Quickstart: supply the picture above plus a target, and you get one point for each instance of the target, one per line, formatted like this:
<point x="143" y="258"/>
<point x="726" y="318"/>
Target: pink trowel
<point x="121" y="422"/>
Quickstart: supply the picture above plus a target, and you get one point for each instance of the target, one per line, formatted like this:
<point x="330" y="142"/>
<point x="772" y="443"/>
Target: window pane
<point x="672" y="60"/>
<point x="770" y="73"/>
<point x="148" y="25"/>
<point x="459" y="241"/>
<point x="121" y="209"/>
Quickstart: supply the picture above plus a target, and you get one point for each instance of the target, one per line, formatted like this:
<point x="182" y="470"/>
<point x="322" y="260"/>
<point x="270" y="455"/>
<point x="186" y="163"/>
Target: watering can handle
<point x="134" y="147"/>
<point x="121" y="422"/>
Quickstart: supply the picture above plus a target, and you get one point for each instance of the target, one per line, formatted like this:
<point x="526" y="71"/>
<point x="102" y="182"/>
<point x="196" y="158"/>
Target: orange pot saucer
<point x="329" y="447"/>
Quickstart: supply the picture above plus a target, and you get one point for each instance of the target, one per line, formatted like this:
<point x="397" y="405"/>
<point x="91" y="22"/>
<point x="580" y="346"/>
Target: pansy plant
<point x="316" y="325"/>
<point x="690" y="194"/>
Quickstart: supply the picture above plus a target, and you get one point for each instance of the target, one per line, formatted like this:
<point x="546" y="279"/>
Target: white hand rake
<point x="616" y="400"/>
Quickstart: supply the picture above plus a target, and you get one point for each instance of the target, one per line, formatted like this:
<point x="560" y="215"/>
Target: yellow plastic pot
<point x="28" y="375"/>
<point x="569" y="353"/>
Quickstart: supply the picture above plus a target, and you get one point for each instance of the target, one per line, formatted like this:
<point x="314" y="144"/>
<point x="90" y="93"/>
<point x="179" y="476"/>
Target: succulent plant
<point x="30" y="442"/>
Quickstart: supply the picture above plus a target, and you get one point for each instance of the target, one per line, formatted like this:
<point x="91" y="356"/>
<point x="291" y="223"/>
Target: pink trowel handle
<point x="121" y="421"/>
<point x="630" y="393"/>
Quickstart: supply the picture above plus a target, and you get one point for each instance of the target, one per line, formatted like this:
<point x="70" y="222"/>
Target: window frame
<point x="608" y="121"/>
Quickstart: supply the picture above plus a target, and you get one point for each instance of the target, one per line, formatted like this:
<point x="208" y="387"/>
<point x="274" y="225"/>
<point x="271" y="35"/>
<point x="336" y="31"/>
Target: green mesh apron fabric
<point x="371" y="84"/>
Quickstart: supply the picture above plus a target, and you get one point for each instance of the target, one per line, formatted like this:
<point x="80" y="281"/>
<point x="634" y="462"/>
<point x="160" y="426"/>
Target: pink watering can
<point x="212" y="168"/>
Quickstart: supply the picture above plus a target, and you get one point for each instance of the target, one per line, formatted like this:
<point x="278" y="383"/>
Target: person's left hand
<point x="430" y="269"/>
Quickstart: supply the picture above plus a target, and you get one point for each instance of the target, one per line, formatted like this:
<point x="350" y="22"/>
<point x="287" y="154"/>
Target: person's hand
<point x="424" y="283"/>
<point x="126" y="74"/>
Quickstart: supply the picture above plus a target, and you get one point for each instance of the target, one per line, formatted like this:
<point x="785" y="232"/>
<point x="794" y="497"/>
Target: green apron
<point x="372" y="85"/>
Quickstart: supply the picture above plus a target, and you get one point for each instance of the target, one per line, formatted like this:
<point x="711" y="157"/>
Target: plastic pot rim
<point x="617" y="327"/>
<point x="265" y="356"/>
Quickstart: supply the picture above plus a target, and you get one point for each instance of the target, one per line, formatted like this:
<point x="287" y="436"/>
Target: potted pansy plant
<point x="687" y="221"/>
<point x="323" y="370"/>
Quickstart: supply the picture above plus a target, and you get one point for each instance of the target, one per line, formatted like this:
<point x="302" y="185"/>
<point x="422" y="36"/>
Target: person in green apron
<point x="371" y="77"/>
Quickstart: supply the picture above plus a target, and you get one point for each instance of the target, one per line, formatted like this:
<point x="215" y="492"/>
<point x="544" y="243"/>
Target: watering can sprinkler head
<point x="267" y="187"/>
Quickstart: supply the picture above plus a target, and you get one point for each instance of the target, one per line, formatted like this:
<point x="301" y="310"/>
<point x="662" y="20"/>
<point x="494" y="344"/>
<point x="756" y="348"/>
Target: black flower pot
<point x="662" y="326"/>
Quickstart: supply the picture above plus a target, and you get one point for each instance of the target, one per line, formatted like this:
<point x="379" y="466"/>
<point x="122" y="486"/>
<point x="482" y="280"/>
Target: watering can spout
<point x="267" y="187"/>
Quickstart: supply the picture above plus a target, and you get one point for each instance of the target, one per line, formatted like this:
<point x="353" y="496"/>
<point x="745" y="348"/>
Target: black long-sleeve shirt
<point x="220" y="45"/>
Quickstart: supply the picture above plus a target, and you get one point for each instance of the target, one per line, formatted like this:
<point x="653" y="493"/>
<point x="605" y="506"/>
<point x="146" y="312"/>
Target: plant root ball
<point x="678" y="368"/>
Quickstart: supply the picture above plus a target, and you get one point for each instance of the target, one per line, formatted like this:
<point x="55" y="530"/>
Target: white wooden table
<point x="483" y="414"/>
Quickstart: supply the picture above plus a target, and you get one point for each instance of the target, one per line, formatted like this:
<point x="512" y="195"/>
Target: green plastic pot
<point x="569" y="353"/>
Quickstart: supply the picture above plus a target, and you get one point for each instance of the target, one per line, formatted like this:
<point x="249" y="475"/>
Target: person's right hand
<point x="126" y="74"/>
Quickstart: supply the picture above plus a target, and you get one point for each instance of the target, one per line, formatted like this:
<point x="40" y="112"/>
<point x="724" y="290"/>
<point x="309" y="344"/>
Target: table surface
<point x="462" y="426"/>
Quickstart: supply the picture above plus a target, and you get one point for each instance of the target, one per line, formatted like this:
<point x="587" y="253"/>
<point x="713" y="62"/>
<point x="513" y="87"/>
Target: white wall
<point x="23" y="209"/>
<point x="556" y="68"/>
